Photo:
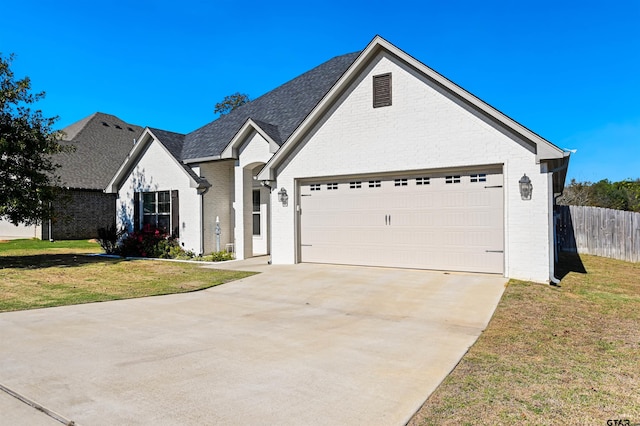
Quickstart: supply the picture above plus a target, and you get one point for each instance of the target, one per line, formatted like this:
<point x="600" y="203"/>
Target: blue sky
<point x="568" y="70"/>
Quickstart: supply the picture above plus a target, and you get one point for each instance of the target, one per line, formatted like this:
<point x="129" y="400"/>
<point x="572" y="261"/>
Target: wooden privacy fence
<point x="598" y="231"/>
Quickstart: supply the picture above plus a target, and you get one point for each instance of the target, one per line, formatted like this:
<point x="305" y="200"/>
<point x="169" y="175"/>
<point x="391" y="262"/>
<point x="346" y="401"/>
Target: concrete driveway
<point x="302" y="345"/>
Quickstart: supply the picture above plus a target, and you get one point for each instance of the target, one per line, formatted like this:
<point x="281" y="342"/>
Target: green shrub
<point x="159" y="245"/>
<point x="109" y="237"/>
<point x="219" y="256"/>
<point x="148" y="244"/>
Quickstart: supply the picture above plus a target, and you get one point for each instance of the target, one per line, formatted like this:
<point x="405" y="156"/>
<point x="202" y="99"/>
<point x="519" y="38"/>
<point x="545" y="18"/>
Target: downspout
<point x="552" y="265"/>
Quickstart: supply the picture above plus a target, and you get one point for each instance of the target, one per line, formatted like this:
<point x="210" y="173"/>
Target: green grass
<point x="552" y="355"/>
<point x="35" y="274"/>
<point x="33" y="246"/>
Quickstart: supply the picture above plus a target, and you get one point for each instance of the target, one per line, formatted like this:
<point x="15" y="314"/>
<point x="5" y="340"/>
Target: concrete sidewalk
<point x="300" y="344"/>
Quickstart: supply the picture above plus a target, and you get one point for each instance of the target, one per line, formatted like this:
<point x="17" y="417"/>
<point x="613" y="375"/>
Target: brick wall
<point x="217" y="203"/>
<point x="80" y="213"/>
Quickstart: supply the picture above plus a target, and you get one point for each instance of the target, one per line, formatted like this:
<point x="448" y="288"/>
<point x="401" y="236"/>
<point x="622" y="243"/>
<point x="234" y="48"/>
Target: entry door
<point x="446" y="221"/>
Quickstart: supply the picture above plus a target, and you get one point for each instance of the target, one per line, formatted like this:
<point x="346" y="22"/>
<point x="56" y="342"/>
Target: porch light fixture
<point x="526" y="188"/>
<point x="283" y="197"/>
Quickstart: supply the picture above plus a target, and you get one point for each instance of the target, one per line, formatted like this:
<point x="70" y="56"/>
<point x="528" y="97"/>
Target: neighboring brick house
<point x="101" y="142"/>
<point x="371" y="158"/>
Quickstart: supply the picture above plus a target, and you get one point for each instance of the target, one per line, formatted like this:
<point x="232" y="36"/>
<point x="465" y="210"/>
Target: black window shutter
<point x="175" y="213"/>
<point x="136" y="211"/>
<point x="381" y="90"/>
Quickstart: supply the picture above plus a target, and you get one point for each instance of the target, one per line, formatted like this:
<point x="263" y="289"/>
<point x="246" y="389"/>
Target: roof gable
<point x="170" y="142"/>
<point x="544" y="149"/>
<point x="263" y="129"/>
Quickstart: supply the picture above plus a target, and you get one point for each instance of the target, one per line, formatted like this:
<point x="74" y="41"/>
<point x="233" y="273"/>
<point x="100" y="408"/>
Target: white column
<point x="247" y="185"/>
<point x="238" y="208"/>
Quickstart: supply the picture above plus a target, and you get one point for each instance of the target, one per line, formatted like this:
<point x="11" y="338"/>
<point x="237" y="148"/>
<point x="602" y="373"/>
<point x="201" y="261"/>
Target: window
<point x="314" y="187"/>
<point x="400" y="182"/>
<point x="452" y="179"/>
<point x="423" y="181"/>
<point x="374" y="184"/>
<point x="355" y="185"/>
<point x="481" y="177"/>
<point x="256" y="212"/>
<point x="156" y="211"/>
<point x="381" y="90"/>
<point x="332" y="186"/>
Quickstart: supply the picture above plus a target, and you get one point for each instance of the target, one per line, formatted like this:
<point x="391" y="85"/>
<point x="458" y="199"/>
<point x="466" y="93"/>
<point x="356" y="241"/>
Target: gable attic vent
<point x="382" y="90"/>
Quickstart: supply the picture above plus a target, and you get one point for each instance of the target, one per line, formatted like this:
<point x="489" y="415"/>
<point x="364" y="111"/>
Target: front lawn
<point x="565" y="355"/>
<point x="33" y="246"/>
<point x="39" y="274"/>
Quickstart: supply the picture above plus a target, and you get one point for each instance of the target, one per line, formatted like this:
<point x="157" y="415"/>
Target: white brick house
<point x="383" y="161"/>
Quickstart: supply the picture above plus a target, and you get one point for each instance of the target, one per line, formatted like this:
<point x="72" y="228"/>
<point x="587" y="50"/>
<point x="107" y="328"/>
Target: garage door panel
<point x="452" y="223"/>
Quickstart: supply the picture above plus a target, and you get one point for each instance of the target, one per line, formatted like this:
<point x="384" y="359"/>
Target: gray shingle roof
<point x="278" y="112"/>
<point x="102" y="142"/>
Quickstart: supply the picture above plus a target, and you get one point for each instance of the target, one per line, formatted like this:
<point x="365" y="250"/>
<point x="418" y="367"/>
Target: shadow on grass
<point x="569" y="262"/>
<point x="41" y="261"/>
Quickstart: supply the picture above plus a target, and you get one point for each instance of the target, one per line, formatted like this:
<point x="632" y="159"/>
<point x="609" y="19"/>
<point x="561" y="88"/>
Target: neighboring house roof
<point x="101" y="142"/>
<point x="278" y="112"/>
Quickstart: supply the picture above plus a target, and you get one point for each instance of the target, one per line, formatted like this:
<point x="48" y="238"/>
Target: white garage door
<point x="445" y="221"/>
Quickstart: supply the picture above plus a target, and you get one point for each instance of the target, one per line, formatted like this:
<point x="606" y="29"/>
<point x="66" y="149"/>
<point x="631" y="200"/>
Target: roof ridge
<point x="246" y="105"/>
<point x="75" y="130"/>
<point x="283" y="107"/>
<point x="297" y="78"/>
<point x="155" y="129"/>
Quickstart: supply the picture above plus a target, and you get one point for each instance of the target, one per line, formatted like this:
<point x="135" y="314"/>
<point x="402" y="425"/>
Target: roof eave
<point x="201" y="159"/>
<point x="558" y="167"/>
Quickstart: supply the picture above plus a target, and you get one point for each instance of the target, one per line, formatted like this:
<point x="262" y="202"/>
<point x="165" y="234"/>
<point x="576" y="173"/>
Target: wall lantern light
<point x="283" y="197"/>
<point x="526" y="188"/>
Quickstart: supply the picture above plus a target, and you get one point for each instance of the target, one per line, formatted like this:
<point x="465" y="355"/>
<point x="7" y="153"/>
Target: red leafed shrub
<point x="149" y="243"/>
